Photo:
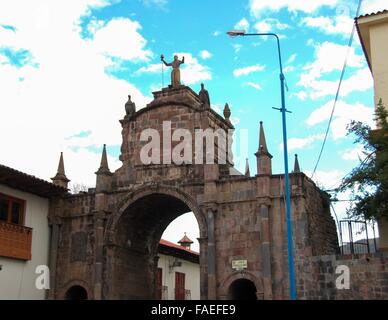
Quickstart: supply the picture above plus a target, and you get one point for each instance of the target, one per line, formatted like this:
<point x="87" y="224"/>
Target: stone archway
<point x="150" y="189"/>
<point x="76" y="290"/>
<point x="242" y="282"/>
<point x="116" y="225"/>
<point x="76" y="293"/>
<point x="133" y="236"/>
<point x="242" y="289"/>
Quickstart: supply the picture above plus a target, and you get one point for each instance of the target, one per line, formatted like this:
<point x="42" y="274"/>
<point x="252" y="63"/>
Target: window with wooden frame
<point x="12" y="209"/>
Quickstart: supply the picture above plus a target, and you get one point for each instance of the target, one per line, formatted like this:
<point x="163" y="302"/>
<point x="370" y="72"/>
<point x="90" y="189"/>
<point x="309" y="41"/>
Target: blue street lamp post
<point x="283" y="110"/>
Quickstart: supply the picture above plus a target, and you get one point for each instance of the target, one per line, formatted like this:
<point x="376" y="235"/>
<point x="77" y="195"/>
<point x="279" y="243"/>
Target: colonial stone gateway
<point x="104" y="242"/>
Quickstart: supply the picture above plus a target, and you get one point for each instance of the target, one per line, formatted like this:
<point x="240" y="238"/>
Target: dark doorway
<point x="242" y="289"/>
<point x="76" y="293"/>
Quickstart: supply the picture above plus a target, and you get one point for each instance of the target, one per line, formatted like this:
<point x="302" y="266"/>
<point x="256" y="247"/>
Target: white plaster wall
<point x="191" y="270"/>
<point x="379" y="51"/>
<point x="17" y="278"/>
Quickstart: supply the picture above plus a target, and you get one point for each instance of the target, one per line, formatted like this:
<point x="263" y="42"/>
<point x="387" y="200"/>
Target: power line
<point x="338" y="90"/>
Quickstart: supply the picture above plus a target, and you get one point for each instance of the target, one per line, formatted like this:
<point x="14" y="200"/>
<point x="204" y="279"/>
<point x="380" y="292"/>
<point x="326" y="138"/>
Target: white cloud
<point x="191" y="71"/>
<point x="235" y="120"/>
<point x="327" y="179"/>
<point x="243" y="24"/>
<point x="330" y="25"/>
<point x="66" y="92"/>
<point x="248" y="70"/>
<point x="185" y="223"/>
<point x="344" y="114"/>
<point x="330" y="57"/>
<point x="301" y="143"/>
<point x="259" y="6"/>
<point x="151" y="68"/>
<point x="288" y="69"/>
<point x="301" y="95"/>
<point x="372" y="6"/>
<point x="216" y="33"/>
<point x="157" y="3"/>
<point x="121" y="38"/>
<point x="95" y="25"/>
<point x="292" y="58"/>
<point x="254" y="85"/>
<point x="360" y="81"/>
<point x="237" y="47"/>
<point x="217" y="108"/>
<point x="354" y="154"/>
<point x="204" y="54"/>
<point x="270" y="25"/>
<point x="311" y="42"/>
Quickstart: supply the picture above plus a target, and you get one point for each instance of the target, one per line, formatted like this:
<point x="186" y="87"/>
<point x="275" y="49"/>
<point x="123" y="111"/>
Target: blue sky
<point x="66" y="68"/>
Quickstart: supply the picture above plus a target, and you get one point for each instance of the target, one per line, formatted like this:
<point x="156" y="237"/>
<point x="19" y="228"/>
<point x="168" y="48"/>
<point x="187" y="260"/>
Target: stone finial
<point x="104" y="168"/>
<point x="204" y="97"/>
<point x="262" y="141"/>
<point x="247" y="171"/>
<point x="60" y="178"/>
<point x="296" y="165"/>
<point x="130" y="108"/>
<point x="104" y="176"/>
<point x="227" y="112"/>
<point x="264" y="165"/>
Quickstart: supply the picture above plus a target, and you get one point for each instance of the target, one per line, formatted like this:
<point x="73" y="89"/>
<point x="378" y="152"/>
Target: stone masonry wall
<point x="316" y="277"/>
<point x="108" y="237"/>
<point x="75" y="244"/>
<point x="322" y="231"/>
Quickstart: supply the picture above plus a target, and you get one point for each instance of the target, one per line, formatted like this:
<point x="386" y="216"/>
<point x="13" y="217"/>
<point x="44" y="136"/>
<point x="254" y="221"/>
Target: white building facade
<point x="178" y="275"/>
<point x="24" y="234"/>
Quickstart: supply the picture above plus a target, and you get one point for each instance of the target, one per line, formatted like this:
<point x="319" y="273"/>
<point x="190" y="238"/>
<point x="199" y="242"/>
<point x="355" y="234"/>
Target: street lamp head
<point x="236" y="33"/>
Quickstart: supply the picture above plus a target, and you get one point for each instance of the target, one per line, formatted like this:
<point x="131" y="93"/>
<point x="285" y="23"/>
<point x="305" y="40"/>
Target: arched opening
<point x="242" y="289"/>
<point x="178" y="275"/>
<point x="133" y="260"/>
<point x="76" y="293"/>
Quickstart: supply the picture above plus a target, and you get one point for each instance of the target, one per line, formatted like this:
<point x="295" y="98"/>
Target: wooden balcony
<point x="15" y="241"/>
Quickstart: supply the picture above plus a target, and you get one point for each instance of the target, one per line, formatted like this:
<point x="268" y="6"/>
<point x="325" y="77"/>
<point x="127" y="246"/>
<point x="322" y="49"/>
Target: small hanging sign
<point x="239" y="265"/>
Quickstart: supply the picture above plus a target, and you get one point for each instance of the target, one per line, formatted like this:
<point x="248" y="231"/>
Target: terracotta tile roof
<point x="28" y="183"/>
<point x="372" y="14"/>
<point x="177" y="246"/>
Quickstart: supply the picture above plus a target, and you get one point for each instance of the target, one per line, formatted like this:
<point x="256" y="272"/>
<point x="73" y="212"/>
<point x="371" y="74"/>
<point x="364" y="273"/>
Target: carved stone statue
<point x="130" y="108"/>
<point x="175" y="74"/>
<point x="204" y="97"/>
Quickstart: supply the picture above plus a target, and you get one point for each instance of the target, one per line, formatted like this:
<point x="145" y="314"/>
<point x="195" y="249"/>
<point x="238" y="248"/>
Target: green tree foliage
<point x="369" y="180"/>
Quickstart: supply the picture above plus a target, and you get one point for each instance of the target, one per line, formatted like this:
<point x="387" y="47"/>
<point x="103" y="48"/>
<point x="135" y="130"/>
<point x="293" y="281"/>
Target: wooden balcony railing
<point x="15" y="241"/>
